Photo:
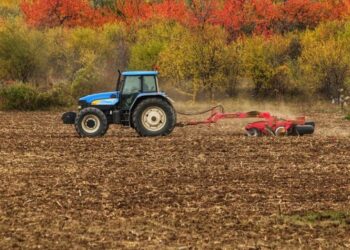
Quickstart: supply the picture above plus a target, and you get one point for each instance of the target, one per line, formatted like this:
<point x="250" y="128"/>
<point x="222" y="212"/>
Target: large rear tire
<point x="154" y="117"/>
<point x="91" y="122"/>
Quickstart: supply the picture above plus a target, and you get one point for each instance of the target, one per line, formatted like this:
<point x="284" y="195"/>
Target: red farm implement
<point x="267" y="124"/>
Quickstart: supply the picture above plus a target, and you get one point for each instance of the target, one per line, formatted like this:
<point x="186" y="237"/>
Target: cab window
<point x="132" y="85"/>
<point x="149" y="84"/>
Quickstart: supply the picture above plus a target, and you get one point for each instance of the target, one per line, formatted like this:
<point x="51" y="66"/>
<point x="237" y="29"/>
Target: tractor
<point x="137" y="102"/>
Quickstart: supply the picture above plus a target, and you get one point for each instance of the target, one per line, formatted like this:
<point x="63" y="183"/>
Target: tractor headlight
<point x="79" y="107"/>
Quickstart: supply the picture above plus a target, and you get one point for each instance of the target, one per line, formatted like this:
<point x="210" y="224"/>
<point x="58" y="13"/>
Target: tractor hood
<point x="105" y="98"/>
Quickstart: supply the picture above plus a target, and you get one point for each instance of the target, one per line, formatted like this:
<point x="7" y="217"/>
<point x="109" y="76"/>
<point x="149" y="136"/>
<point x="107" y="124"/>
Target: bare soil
<point x="201" y="187"/>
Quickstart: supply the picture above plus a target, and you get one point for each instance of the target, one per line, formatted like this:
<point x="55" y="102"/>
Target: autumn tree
<point x="22" y="53"/>
<point x="150" y="42"/>
<point x="301" y="14"/>
<point x="9" y="8"/>
<point x="194" y="63"/>
<point x="52" y="13"/>
<point x="172" y="10"/>
<point x="133" y="10"/>
<point x="268" y="63"/>
<point x="202" y="11"/>
<point x="248" y="16"/>
<point x="325" y="61"/>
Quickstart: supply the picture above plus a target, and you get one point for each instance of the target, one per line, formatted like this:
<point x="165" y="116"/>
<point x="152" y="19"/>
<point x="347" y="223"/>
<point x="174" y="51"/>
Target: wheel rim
<point x="90" y="124"/>
<point x="253" y="132"/>
<point x="280" y="131"/>
<point x="153" y="118"/>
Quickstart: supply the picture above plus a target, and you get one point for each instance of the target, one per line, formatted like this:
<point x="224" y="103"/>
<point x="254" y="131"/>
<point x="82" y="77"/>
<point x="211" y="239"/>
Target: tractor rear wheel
<point x="154" y="117"/>
<point x="91" y="122"/>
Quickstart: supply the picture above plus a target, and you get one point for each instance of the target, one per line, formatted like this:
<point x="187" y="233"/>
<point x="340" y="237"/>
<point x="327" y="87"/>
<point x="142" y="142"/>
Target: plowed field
<point x="200" y="187"/>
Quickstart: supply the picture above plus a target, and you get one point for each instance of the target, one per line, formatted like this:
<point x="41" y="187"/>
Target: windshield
<point x="132" y="84"/>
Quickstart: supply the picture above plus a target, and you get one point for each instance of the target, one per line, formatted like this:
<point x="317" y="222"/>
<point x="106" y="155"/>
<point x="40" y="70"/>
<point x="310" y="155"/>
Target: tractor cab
<point x="136" y="102"/>
<point x="134" y="83"/>
<point x="130" y="85"/>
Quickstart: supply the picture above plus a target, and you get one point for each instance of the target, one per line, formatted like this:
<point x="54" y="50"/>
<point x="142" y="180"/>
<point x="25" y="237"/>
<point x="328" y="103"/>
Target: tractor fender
<point x="144" y="96"/>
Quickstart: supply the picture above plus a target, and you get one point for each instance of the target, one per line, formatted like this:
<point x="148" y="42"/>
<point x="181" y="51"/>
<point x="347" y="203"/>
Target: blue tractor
<point x="137" y="103"/>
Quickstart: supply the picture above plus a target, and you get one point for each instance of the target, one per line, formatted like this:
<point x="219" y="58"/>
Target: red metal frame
<point x="268" y="126"/>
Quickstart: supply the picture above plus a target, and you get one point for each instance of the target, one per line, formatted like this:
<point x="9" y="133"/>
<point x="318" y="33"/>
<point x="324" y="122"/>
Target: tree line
<point x="56" y="60"/>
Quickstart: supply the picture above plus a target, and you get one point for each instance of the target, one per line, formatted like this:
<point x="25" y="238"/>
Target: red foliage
<point x="202" y="12"/>
<point x="237" y="16"/>
<point x="172" y="10"/>
<point x="248" y="16"/>
<point x="337" y="9"/>
<point x="51" y="13"/>
<point x="303" y="13"/>
<point x="198" y="12"/>
<point x="134" y="10"/>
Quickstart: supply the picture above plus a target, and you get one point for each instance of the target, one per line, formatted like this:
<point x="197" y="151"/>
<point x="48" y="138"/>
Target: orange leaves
<point x="303" y="13"/>
<point x="267" y="16"/>
<point x="134" y="10"/>
<point x="172" y="10"/>
<point x="248" y="16"/>
<point x="237" y="16"/>
<point x="51" y="13"/>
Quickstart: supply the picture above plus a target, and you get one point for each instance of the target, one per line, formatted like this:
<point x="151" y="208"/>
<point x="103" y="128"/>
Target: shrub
<point x="22" y="52"/>
<point x="326" y="66"/>
<point x="232" y="68"/>
<point x="150" y="42"/>
<point x="269" y="63"/>
<point x="21" y="96"/>
<point x="58" y="96"/>
<point x="85" y="82"/>
<point x="196" y="61"/>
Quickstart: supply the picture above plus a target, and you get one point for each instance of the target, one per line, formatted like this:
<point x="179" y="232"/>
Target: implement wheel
<point x="253" y="132"/>
<point x="91" y="122"/>
<point x="154" y="117"/>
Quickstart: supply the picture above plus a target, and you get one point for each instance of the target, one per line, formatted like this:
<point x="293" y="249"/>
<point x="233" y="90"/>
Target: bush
<point x="269" y="63"/>
<point x="22" y="52"/>
<point x="347" y="117"/>
<point x="233" y="68"/>
<point x="196" y="61"/>
<point x="326" y="67"/>
<point x="86" y="81"/>
<point x="150" y="42"/>
<point x="21" y="96"/>
<point x="58" y="96"/>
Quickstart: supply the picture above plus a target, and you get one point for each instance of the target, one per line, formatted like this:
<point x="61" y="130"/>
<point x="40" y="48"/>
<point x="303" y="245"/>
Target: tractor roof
<point x="140" y="73"/>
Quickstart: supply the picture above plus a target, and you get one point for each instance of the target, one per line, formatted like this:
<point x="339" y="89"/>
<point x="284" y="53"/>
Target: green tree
<point x="233" y="67"/>
<point x="150" y="42"/>
<point x="22" y="52"/>
<point x="268" y="63"/>
<point x="326" y="67"/>
<point x="196" y="62"/>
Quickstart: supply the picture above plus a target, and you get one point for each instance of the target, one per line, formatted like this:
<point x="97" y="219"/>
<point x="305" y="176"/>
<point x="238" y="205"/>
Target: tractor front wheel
<point x="91" y="122"/>
<point x="154" y="117"/>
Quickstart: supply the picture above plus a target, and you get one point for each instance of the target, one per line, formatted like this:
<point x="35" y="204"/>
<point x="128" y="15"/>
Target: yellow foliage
<point x="11" y="4"/>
